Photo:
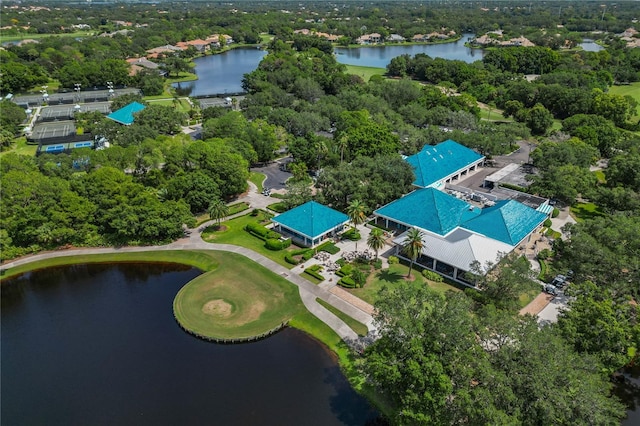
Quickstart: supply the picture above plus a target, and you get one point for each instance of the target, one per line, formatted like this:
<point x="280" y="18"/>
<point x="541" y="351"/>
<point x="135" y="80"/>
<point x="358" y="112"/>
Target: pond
<point x="590" y="46"/>
<point x="221" y="73"/>
<point x="98" y="344"/>
<point x="380" y="56"/>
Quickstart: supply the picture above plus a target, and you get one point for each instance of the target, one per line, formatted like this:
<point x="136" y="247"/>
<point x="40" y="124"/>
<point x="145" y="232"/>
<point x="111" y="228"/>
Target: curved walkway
<point x="308" y="291"/>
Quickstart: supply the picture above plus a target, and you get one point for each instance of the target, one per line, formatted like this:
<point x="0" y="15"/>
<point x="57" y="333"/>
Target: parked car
<point x="551" y="289"/>
<point x="559" y="281"/>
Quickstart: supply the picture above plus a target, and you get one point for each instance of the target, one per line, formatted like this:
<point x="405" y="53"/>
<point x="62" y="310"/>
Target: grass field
<point x="24" y="36"/>
<point x="20" y="147"/>
<point x="232" y="232"/>
<point x="584" y="211"/>
<point x="632" y="90"/>
<point x="182" y="105"/>
<point x="239" y="299"/>
<point x="392" y="277"/>
<point x="365" y="72"/>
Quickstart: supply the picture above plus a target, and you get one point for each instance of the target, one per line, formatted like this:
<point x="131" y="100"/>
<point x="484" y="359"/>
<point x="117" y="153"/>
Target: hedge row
<point x="277" y="244"/>
<point x="313" y="271"/>
<point x="347" y="282"/>
<point x="329" y="247"/>
<point x="345" y="270"/>
<point x="306" y="255"/>
<point x="260" y="231"/>
<point x="278" y="207"/>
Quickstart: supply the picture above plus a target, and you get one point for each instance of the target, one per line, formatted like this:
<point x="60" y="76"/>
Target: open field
<point x="23" y="36"/>
<point x="632" y="90"/>
<point x="20" y="147"/>
<point x="239" y="299"/>
<point x="365" y="72"/>
<point x="392" y="277"/>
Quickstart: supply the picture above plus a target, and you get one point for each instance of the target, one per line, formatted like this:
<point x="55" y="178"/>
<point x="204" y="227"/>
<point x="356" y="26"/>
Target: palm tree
<point x="376" y="240"/>
<point x="343" y="143"/>
<point x="356" y="212"/>
<point x="218" y="210"/>
<point x="413" y="246"/>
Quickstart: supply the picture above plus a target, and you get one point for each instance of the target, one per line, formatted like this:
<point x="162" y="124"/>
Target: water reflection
<point x="98" y="344"/>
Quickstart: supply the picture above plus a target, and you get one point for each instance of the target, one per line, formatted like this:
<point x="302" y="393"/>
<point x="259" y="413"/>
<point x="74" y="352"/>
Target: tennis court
<point x="53" y="130"/>
<point x="66" y="112"/>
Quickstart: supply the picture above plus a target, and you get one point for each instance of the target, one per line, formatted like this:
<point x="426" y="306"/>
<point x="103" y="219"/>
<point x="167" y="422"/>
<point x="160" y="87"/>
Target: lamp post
<point x="45" y="95"/>
<point x="110" y="87"/>
<point x="77" y="87"/>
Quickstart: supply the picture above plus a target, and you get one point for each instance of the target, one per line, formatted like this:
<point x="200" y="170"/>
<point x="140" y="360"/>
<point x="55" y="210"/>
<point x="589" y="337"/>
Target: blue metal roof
<point x="429" y="209"/>
<point x="311" y="219"/>
<point x="434" y="163"/>
<point x="508" y="221"/>
<point x="125" y="114"/>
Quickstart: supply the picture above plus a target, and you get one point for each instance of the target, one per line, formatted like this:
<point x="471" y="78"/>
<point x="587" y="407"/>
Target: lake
<point x="221" y="73"/>
<point x="590" y="46"/>
<point x="380" y="56"/>
<point x="97" y="344"/>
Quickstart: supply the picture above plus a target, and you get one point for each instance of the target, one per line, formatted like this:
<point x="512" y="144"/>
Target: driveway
<point x="276" y="178"/>
<point x="549" y="314"/>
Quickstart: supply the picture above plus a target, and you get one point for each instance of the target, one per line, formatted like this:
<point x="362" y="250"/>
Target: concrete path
<point x="308" y="291"/>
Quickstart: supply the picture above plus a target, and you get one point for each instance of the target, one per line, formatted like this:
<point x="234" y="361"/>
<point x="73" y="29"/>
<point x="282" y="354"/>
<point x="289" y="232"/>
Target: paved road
<point x="308" y="291"/>
<point x="276" y="178"/>
<point x="550" y="313"/>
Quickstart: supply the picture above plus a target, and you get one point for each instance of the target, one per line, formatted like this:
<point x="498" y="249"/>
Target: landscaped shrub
<point x="308" y="254"/>
<point x="278" y="207"/>
<point x="341" y="262"/>
<point x="515" y="187"/>
<point x="544" y="254"/>
<point x="345" y="270"/>
<point x="548" y="223"/>
<point x="329" y="247"/>
<point x="393" y="260"/>
<point x="258" y="230"/>
<point x="352" y="234"/>
<point x="358" y="277"/>
<point x="313" y="271"/>
<point x="377" y="264"/>
<point x="555" y="212"/>
<point x="347" y="282"/>
<point x="289" y="259"/>
<point x="277" y="244"/>
<point x="255" y="212"/>
<point x="432" y="276"/>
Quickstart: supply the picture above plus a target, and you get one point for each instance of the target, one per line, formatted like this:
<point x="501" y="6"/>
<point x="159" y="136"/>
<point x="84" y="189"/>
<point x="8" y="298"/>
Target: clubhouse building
<point x="458" y="236"/>
<point x="310" y="223"/>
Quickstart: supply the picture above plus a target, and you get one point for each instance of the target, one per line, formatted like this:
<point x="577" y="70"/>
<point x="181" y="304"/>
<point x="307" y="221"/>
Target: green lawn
<point x="232" y="232"/>
<point x="239" y="299"/>
<point x="365" y="72"/>
<point x="357" y="326"/>
<point x="599" y="174"/>
<point x="20" y="147"/>
<point x="632" y="90"/>
<point x="392" y="277"/>
<point x="583" y="211"/>
<point x="257" y="179"/>
<point x="182" y="106"/>
<point x="494" y="114"/>
<point x="24" y="36"/>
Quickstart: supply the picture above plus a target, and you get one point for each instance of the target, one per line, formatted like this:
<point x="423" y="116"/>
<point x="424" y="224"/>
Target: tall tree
<point x="376" y="240"/>
<point x="357" y="214"/>
<point x="218" y="210"/>
<point x="413" y="246"/>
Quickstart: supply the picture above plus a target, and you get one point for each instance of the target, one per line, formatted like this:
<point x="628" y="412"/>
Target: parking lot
<point x="276" y="178"/>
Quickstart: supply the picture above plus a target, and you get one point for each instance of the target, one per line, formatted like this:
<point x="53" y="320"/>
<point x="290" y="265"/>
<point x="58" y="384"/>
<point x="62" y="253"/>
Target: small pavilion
<point x="310" y="223"/>
<point x="125" y="114"/>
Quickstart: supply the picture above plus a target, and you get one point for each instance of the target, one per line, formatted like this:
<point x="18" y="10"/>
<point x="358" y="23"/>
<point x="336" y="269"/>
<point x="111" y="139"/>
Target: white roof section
<point x="461" y="248"/>
<point x="502" y="173"/>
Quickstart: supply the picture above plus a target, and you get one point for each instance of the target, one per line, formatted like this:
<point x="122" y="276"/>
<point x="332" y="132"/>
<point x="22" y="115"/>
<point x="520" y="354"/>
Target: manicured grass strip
<point x="365" y="72"/>
<point x="238" y="300"/>
<point x="357" y="326"/>
<point x="279" y="207"/>
<point x="202" y="260"/>
<point x="238" y="207"/>
<point x="257" y="179"/>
